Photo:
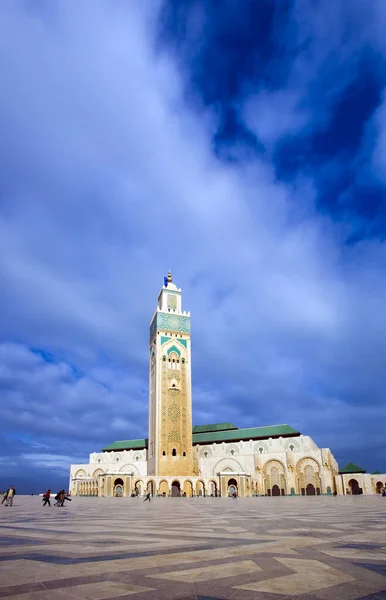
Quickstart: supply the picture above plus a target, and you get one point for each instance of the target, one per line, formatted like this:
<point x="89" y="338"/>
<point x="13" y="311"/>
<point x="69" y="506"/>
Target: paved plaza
<point x="195" y="548"/>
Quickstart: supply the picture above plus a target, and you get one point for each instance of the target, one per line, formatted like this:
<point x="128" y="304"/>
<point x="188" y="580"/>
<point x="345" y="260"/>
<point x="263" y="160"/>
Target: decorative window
<point x="137" y="458"/>
<point x="174" y="452"/>
<point x="232" y="452"/>
<point x="164" y="453"/>
<point x="206" y="454"/>
<point x="292" y="447"/>
<point x="261" y="450"/>
<point x="184" y="454"/>
<point x="118" y="459"/>
<point x="99" y="460"/>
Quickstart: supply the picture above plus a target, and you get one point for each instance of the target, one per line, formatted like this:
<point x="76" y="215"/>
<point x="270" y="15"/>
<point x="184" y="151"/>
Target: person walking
<point x="5" y="495"/>
<point x="11" y="493"/>
<point x="148" y="497"/>
<point x="46" y="498"/>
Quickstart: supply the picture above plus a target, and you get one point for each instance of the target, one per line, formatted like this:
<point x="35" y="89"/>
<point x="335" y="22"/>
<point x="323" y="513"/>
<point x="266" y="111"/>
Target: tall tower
<point x="170" y="450"/>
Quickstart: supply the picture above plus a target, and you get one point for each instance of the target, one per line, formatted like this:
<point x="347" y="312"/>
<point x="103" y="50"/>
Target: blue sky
<point x="244" y="150"/>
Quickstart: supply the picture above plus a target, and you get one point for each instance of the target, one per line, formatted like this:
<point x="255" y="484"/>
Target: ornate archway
<point x="176" y="489"/>
<point x="274" y="477"/>
<point x="119" y="487"/>
<point x="354" y="487"/>
<point x="307" y="472"/>
<point x="200" y="488"/>
<point x="232" y="487"/>
<point x="163" y="488"/>
<point x="188" y="488"/>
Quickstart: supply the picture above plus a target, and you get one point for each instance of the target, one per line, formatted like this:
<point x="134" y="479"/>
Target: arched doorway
<point x="379" y="486"/>
<point x="232" y="487"/>
<point x="275" y="490"/>
<point x="163" y="489"/>
<point x="200" y="488"/>
<point x="150" y="487"/>
<point x="138" y="488"/>
<point x="118" y="487"/>
<point x="176" y="489"/>
<point x="188" y="488"/>
<point x="212" y="488"/>
<point x="354" y="487"/>
<point x="310" y="490"/>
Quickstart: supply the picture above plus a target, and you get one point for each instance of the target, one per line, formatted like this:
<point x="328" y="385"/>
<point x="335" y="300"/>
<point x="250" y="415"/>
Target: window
<point x="164" y="453"/>
<point x="261" y="450"/>
<point x="99" y="460"/>
<point x="137" y="458"/>
<point x="232" y="452"/>
<point x="184" y="454"/>
<point x="174" y="452"/>
<point x="118" y="459"/>
<point x="292" y="447"/>
<point x="206" y="455"/>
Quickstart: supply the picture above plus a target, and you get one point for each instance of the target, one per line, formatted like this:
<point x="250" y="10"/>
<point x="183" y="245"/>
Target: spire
<point x="169" y="277"/>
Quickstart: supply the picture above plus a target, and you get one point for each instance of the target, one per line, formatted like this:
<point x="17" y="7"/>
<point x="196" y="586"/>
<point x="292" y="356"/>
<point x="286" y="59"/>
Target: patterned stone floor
<point x="198" y="548"/>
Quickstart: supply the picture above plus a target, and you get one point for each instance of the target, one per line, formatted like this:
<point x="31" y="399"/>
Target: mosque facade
<point x="179" y="459"/>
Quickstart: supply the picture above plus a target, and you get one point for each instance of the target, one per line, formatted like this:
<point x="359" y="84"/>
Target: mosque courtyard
<point x="195" y="548"/>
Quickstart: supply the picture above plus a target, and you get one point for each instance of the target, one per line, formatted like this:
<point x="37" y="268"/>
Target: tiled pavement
<point x="194" y="548"/>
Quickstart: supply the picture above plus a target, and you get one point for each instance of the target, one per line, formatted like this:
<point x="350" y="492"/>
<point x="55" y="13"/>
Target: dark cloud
<point x="138" y="140"/>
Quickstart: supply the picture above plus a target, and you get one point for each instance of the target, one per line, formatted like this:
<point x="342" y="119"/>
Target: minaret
<point x="170" y="449"/>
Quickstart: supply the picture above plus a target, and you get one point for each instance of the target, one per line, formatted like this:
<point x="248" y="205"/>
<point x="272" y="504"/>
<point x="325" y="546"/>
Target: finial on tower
<point x="169" y="277"/>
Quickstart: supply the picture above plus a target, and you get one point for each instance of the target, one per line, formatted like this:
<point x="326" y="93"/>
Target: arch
<point x="232" y="487"/>
<point x="80" y="473"/>
<point x="138" y="487"/>
<point x="200" y="488"/>
<point x="232" y="450"/>
<point x="227" y="463"/>
<point x="119" y="487"/>
<point x="310" y="489"/>
<point x="176" y="488"/>
<point x="129" y="468"/>
<point x="188" y="488"/>
<point x="274" y="473"/>
<point x="212" y="488"/>
<point x="173" y="349"/>
<point x="163" y="488"/>
<point x="379" y="486"/>
<point x="308" y="474"/>
<point x="354" y="487"/>
<point x="97" y="472"/>
<point x="150" y="487"/>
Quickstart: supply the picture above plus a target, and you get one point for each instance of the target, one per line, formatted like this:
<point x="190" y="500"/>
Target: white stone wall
<point x="241" y="456"/>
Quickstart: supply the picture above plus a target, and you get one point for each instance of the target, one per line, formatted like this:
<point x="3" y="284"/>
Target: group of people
<point x="8" y="496"/>
<point x="60" y="498"/>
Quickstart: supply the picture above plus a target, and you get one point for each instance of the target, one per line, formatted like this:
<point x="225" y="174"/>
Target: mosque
<point x="220" y="459"/>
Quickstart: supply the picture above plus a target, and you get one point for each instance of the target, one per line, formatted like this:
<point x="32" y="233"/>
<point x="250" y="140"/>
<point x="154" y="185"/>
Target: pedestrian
<point x="5" y="494"/>
<point x="11" y="493"/>
<point x="46" y="498"/>
<point x="148" y="497"/>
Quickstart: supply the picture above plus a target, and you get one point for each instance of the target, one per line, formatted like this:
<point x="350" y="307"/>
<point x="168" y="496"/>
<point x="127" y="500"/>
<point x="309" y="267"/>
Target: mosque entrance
<point x="354" y="487"/>
<point x="310" y="490"/>
<point x="176" y="489"/>
<point x="232" y="487"/>
<point x="118" y="487"/>
<point x="275" y="490"/>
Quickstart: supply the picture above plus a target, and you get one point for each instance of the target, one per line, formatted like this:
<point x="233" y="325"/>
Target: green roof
<point x="377" y="473"/>
<point x="251" y="433"/>
<point x="220" y="432"/>
<point x="127" y="445"/>
<point x="212" y="428"/>
<point x="352" y="468"/>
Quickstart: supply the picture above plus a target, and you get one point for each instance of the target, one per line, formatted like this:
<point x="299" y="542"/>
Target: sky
<point x="245" y="150"/>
